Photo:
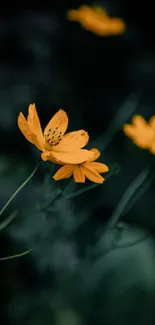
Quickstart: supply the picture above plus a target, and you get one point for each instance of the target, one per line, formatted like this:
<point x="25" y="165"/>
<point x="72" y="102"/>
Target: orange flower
<point x="89" y="169"/>
<point x="96" y="19"/>
<point x="141" y="132"/>
<point x="55" y="145"/>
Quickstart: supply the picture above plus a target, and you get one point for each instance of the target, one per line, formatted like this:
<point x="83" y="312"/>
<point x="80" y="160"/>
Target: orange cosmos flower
<point x="55" y="145"/>
<point x="142" y="132"/>
<point x="89" y="169"/>
<point x="96" y="19"/>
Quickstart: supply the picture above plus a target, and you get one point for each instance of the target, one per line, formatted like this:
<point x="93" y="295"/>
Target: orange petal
<point x="24" y="127"/>
<point x="76" y="157"/>
<point x="100" y="25"/>
<point x="142" y="141"/>
<point x="84" y="9"/>
<point x="152" y="122"/>
<point x="139" y="121"/>
<point x="48" y="156"/>
<point x="152" y="147"/>
<point x="59" y="122"/>
<point x="97" y="166"/>
<point x="129" y="130"/>
<point x="64" y="172"/>
<point x="92" y="175"/>
<point x="34" y="123"/>
<point x="101" y="11"/>
<point x="96" y="155"/>
<point x="85" y="15"/>
<point x="72" y="141"/>
<point x="116" y="26"/>
<point x="84" y="12"/>
<point x="26" y="130"/>
<point x="73" y="15"/>
<point x="79" y="176"/>
<point x="140" y="132"/>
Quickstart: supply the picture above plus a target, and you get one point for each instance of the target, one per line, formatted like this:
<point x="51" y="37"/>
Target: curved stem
<point x="127" y="197"/>
<point x="8" y="220"/>
<point x="141" y="191"/>
<point x="18" y="190"/>
<point x="15" y="256"/>
<point x="81" y="191"/>
<point x="126" y="110"/>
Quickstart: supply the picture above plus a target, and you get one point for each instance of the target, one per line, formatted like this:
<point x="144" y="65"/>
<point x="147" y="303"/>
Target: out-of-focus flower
<point x="96" y="20"/>
<point x="55" y="145"/>
<point x="142" y="132"/>
<point x="89" y="169"/>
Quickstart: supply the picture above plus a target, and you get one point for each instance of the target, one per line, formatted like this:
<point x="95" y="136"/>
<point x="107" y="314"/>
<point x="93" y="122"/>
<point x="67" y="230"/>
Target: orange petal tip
<point x="125" y="127"/>
<point x="32" y="106"/>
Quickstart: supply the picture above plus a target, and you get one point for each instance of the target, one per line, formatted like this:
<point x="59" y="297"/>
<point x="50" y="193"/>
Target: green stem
<point x="18" y="190"/>
<point x="141" y="191"/>
<point x="127" y="197"/>
<point x="126" y="110"/>
<point x="8" y="220"/>
<point x="16" y="256"/>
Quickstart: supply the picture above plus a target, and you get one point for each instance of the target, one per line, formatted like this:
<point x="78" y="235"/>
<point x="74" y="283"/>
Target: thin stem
<point x="16" y="256"/>
<point x="127" y="197"/>
<point x="18" y="190"/>
<point x="127" y="109"/>
<point x="8" y="220"/>
<point x="81" y="191"/>
<point x="141" y="191"/>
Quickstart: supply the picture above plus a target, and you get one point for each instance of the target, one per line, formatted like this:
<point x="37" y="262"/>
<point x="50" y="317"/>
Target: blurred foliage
<point x="77" y="273"/>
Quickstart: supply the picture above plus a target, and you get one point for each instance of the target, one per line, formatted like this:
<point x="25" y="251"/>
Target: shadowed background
<point x="100" y="82"/>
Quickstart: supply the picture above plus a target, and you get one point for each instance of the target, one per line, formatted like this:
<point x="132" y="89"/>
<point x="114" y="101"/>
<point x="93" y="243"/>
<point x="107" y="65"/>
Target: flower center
<point x="53" y="137"/>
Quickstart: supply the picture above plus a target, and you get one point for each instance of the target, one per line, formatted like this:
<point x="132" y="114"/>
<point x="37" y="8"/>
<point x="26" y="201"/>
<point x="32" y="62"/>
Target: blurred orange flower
<point x="96" y="19"/>
<point x="89" y="169"/>
<point x="142" y="132"/>
<point x="55" y="145"/>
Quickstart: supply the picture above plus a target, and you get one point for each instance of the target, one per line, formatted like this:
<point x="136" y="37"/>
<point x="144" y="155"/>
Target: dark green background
<point x="76" y="274"/>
